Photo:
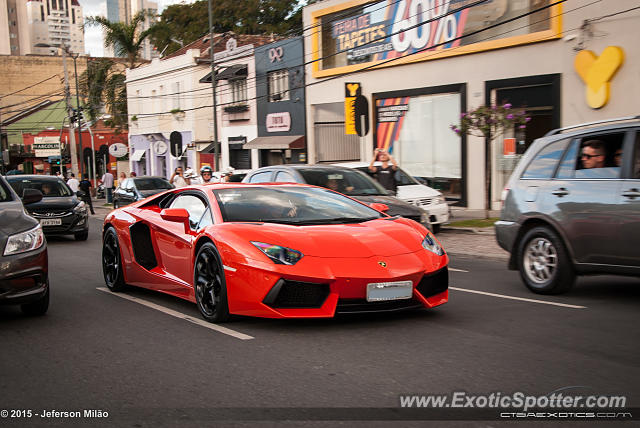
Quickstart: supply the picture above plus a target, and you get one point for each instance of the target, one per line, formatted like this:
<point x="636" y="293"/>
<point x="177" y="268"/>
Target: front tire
<point x="39" y="307"/>
<point x="112" y="261"/>
<point x="209" y="285"/>
<point x="544" y="263"/>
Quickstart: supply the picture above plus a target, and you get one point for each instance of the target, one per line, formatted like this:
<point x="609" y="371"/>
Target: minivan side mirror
<point x="31" y="196"/>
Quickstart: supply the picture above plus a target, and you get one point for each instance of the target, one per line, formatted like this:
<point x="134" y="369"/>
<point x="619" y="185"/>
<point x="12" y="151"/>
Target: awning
<point x="236" y="71"/>
<point x="137" y="155"/>
<point x="279" y="142"/>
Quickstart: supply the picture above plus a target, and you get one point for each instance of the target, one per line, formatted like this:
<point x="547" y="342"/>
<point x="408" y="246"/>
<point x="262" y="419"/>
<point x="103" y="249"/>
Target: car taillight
<point x="503" y="196"/>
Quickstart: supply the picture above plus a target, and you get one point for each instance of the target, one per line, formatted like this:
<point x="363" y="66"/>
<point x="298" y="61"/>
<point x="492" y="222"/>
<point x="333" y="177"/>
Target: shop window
<point x="278" y="85"/>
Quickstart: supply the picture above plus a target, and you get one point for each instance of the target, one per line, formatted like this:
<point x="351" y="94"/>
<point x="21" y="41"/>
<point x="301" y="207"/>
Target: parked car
<point x="24" y="276"/>
<point x="135" y="188"/>
<point x="572" y="206"/>
<point x="344" y="180"/>
<point x="60" y="212"/>
<point x="414" y="192"/>
<point x="273" y="250"/>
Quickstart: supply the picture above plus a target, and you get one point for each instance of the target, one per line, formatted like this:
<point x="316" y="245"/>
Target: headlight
<point x="440" y="199"/>
<point x="430" y="244"/>
<point x="25" y="241"/>
<point x="81" y="208"/>
<point x="424" y="219"/>
<point x="278" y="254"/>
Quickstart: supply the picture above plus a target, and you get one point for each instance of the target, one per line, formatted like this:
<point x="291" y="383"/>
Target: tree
<point x="125" y="39"/>
<point x="181" y="24"/>
<point x="489" y="123"/>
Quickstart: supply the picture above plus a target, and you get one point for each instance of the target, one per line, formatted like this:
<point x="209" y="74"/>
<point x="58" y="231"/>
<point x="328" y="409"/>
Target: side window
<point x="261" y="177"/>
<point x="284" y="177"/>
<point x="193" y="204"/>
<point x="635" y="172"/>
<point x="600" y="156"/>
<point x="567" y="168"/>
<point x="206" y="219"/>
<point x="544" y="163"/>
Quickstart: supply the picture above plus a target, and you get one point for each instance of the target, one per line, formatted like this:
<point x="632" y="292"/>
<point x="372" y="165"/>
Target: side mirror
<point x="81" y="194"/>
<point x="379" y="207"/>
<point x="177" y="215"/>
<point x="391" y="193"/>
<point x="31" y="196"/>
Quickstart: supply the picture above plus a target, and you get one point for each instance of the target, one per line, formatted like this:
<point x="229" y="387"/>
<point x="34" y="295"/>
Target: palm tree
<point x="125" y="39"/>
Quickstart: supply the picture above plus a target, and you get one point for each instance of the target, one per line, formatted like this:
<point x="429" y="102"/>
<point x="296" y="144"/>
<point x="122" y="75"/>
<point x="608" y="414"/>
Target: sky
<point x="93" y="43"/>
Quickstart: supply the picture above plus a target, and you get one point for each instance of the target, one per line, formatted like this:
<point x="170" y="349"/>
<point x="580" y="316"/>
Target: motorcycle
<point x="100" y="192"/>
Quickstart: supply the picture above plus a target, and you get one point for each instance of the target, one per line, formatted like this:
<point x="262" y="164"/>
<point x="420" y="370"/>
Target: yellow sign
<point x="351" y="91"/>
<point x="596" y="73"/>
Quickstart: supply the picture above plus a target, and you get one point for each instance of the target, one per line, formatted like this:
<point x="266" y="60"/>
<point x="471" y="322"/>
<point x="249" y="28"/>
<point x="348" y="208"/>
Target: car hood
<point x="412" y="191"/>
<point x="358" y="240"/>
<point x="396" y="206"/>
<point x="13" y="219"/>
<point x="53" y="204"/>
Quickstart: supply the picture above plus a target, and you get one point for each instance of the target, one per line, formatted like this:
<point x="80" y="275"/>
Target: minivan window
<point x="284" y="177"/>
<point x="636" y="158"/>
<point x="544" y="163"/>
<point x="261" y="177"/>
<point x="568" y="164"/>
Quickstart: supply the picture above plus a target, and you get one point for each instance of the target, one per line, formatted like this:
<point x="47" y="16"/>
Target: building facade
<point x="280" y="104"/>
<point x="422" y="64"/>
<point x="124" y="11"/>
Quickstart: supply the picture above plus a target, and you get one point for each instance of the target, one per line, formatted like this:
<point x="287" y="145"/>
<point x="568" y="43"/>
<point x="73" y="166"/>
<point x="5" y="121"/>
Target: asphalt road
<point x="99" y="350"/>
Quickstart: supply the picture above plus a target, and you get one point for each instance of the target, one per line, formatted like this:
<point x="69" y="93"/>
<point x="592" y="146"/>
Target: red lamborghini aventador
<point x="273" y="250"/>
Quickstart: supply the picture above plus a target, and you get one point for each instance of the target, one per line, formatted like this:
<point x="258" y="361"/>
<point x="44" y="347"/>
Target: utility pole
<point x="78" y="114"/>
<point x="213" y="88"/>
<point x="67" y="96"/>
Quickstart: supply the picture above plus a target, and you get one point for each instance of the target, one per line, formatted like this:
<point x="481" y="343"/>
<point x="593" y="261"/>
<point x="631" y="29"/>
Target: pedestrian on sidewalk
<point x="85" y="186"/>
<point x="107" y="182"/>
<point x="385" y="173"/>
<point x="73" y="183"/>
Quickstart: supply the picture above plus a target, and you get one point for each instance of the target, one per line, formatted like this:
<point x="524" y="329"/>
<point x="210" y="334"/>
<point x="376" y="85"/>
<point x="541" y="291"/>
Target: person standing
<point x="85" y="186"/>
<point x="177" y="179"/>
<point x="73" y="183"/>
<point x="107" y="182"/>
<point x="385" y="173"/>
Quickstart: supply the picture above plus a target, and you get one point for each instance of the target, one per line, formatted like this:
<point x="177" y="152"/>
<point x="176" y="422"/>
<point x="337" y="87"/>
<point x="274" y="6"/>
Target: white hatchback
<point x="412" y="191"/>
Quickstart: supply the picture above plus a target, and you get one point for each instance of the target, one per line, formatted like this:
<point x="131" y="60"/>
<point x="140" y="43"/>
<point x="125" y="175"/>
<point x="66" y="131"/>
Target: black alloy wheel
<point x="209" y="285"/>
<point x="111" y="261"/>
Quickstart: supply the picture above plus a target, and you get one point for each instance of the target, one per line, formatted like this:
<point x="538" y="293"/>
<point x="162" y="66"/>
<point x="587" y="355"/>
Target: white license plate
<point x="51" y="221"/>
<point x="379" y="291"/>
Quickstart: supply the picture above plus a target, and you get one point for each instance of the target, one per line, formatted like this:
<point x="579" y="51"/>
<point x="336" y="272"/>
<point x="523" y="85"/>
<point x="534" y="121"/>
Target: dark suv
<point x="350" y="182"/>
<point x="572" y="206"/>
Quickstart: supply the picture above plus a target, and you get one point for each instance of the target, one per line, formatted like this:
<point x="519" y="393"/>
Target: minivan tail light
<point x="503" y="196"/>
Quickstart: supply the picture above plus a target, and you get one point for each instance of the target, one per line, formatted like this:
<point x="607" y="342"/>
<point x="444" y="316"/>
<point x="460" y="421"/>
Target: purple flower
<point x="507" y="105"/>
<point x="457" y="131"/>
<point x="509" y="116"/>
<point x="493" y="107"/>
<point x="527" y="119"/>
<point x="522" y="126"/>
<point x="463" y="114"/>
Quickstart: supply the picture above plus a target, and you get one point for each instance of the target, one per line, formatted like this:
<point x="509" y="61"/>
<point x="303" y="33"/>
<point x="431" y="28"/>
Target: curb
<point x="472" y="230"/>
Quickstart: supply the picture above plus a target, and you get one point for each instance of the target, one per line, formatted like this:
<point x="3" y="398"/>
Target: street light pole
<point x="72" y="138"/>
<point x="213" y="88"/>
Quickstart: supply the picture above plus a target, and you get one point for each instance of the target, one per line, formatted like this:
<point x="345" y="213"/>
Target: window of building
<point x="41" y="13"/>
<point x="278" y="85"/>
<point x="238" y="90"/>
<point x="176" y="95"/>
<point x="73" y="16"/>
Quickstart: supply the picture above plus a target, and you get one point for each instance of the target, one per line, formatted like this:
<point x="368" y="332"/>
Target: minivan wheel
<point x="543" y="262"/>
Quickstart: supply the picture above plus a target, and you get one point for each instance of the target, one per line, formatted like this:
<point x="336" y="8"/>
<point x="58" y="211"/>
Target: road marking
<point x="180" y="315"/>
<point x="458" y="270"/>
<point x="502" y="296"/>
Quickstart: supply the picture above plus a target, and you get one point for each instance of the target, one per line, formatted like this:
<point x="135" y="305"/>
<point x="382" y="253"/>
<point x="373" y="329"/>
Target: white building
<point x="174" y="94"/>
<point x="422" y="64"/>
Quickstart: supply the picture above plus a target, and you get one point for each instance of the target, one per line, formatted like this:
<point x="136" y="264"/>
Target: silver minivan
<point x="572" y="206"/>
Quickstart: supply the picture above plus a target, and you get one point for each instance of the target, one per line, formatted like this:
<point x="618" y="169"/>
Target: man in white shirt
<point x="107" y="182"/>
<point x="73" y="183"/>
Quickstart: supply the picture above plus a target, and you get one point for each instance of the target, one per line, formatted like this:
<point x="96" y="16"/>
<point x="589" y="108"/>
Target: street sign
<point x="117" y="150"/>
<point x="361" y="110"/>
<point x="176" y="143"/>
<point x="351" y="91"/>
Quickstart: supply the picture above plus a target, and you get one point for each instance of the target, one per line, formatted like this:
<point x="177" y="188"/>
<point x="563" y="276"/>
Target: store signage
<point x="117" y="150"/>
<point x="278" y="122"/>
<point x="275" y="54"/>
<point x="46" y="146"/>
<point x="351" y="91"/>
<point x="160" y="147"/>
<point x="390" y="114"/>
<point x="509" y="147"/>
<point x="385" y="29"/>
<point x="597" y="71"/>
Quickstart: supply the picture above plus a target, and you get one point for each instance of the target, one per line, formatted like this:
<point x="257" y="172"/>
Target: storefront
<point x="422" y="64"/>
<point x="150" y="155"/>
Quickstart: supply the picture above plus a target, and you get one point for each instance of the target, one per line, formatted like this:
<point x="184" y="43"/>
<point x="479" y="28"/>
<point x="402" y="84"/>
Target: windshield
<point x="49" y="188"/>
<point x="349" y="182"/>
<point x="291" y="205"/>
<point x="152" y="184"/>
<point x="402" y="178"/>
